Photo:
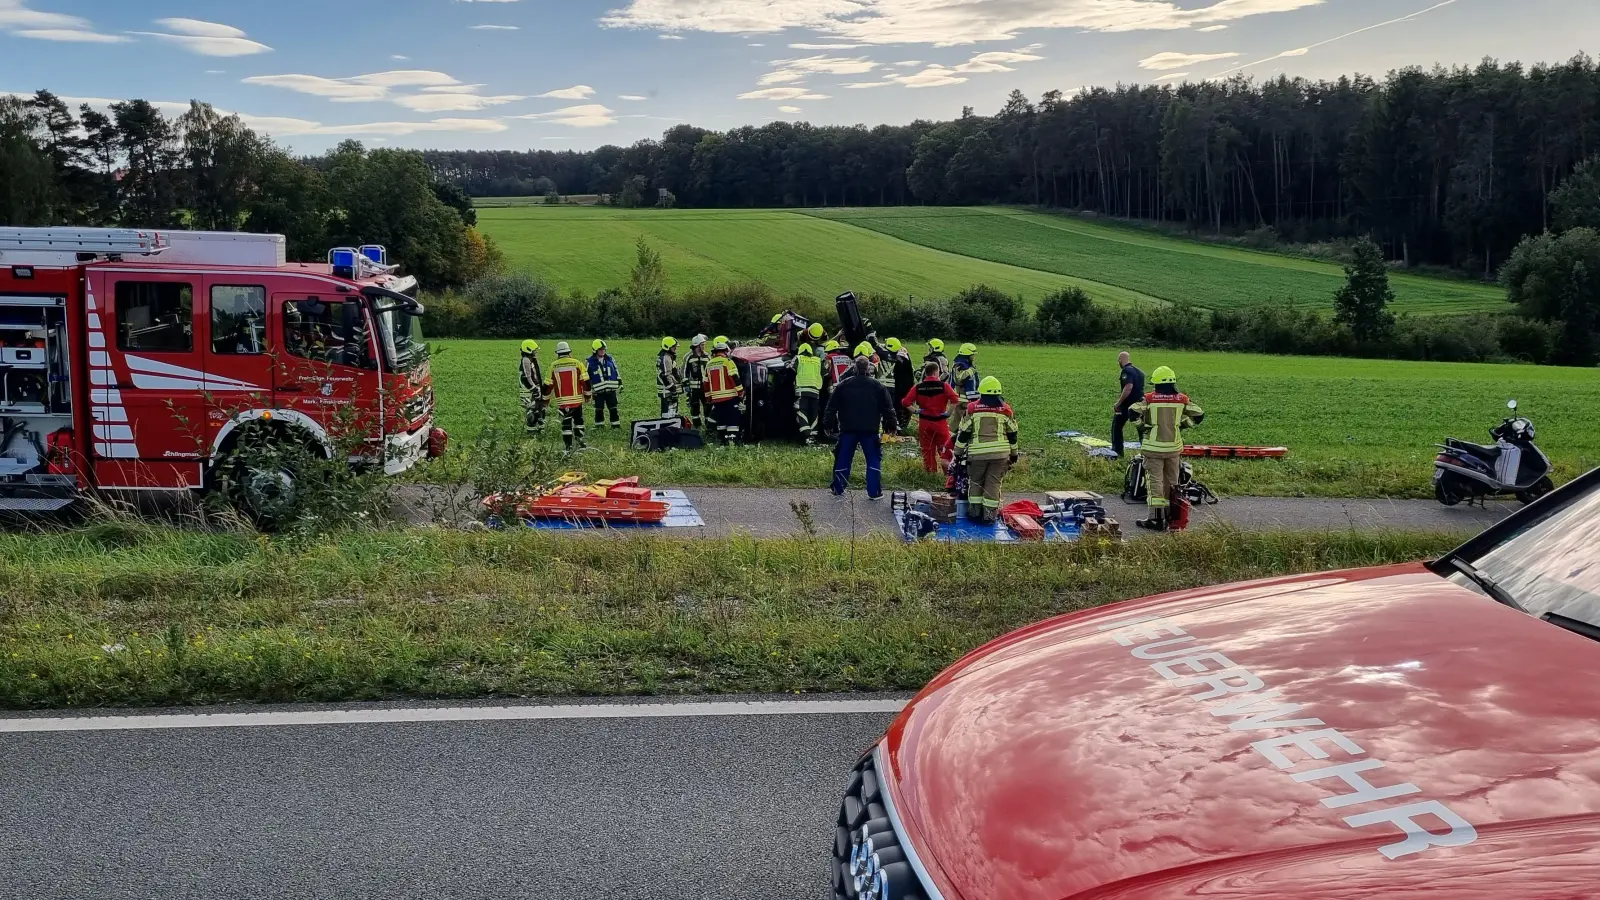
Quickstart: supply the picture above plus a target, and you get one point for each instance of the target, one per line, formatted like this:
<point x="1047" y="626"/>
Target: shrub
<point x="1070" y="316"/>
<point x="514" y="305"/>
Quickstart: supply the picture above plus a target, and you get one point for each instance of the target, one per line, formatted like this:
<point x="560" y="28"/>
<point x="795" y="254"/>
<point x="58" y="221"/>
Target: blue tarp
<point x="962" y="532"/>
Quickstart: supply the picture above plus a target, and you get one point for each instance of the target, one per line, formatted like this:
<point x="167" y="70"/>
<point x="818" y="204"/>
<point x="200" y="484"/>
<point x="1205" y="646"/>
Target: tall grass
<point x="125" y="614"/>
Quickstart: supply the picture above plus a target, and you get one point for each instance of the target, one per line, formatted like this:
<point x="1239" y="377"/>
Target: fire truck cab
<point x="135" y="360"/>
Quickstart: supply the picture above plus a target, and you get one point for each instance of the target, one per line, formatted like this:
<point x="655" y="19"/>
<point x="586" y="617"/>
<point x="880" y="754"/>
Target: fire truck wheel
<point x="263" y="495"/>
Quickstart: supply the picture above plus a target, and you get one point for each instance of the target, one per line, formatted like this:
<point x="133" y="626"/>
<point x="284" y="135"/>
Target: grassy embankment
<point x="133" y="615"/>
<point x="1355" y="428"/>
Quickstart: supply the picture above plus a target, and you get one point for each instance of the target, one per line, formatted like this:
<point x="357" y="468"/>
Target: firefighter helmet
<point x="598" y="345"/>
<point x="969" y="349"/>
<point x="721" y="346"/>
<point x="720" y="339"/>
<point x="990" y="387"/>
<point x="530" y="347"/>
<point x="830" y="346"/>
<point x="777" y="318"/>
<point x="563" y="348"/>
<point x="936" y="345"/>
<point x="669" y="343"/>
<point x="805" y="350"/>
<point x="864" y="350"/>
<point x="816" y="330"/>
<point x="698" y="340"/>
<point x="1164" y="375"/>
<point x="893" y="345"/>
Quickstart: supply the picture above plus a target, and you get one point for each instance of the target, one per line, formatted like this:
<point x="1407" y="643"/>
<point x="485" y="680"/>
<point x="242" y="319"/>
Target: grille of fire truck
<point x="16" y="242"/>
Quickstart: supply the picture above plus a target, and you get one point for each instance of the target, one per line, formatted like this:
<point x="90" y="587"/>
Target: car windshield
<point x="401" y="332"/>
<point x="1552" y="566"/>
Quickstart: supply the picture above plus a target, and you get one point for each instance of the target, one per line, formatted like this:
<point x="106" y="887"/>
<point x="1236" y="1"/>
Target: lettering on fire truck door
<point x="326" y="366"/>
<point x="148" y="383"/>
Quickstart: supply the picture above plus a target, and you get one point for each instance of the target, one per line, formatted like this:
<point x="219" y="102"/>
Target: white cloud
<point x="1161" y="62"/>
<point x="938" y="22"/>
<point x="996" y="61"/>
<point x="909" y="62"/>
<point x="670" y="37"/>
<point x="206" y="38"/>
<point x="1173" y="77"/>
<point x="824" y="46"/>
<point x="632" y="97"/>
<point x="782" y="93"/>
<point x="591" y="115"/>
<point x="495" y="27"/>
<point x="933" y="76"/>
<point x="419" y="90"/>
<point x="576" y="92"/>
<point x="399" y="58"/>
<point x="758" y="45"/>
<point x="216" y="71"/>
<point x="861" y="85"/>
<point x="1302" y="51"/>
<point x="1210" y="28"/>
<point x="789" y="109"/>
<point x="792" y="71"/>
<point x="17" y="19"/>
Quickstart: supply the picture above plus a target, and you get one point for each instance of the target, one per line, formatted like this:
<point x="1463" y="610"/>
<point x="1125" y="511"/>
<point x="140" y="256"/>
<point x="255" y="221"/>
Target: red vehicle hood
<point x="1055" y="762"/>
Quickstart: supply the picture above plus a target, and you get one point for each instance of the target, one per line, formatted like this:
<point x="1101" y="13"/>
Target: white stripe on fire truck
<point x="113" y="432"/>
<point x="200" y="380"/>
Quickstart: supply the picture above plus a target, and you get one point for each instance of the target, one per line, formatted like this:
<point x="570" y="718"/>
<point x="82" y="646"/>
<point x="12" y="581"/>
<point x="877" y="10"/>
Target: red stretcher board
<point x="1220" y="452"/>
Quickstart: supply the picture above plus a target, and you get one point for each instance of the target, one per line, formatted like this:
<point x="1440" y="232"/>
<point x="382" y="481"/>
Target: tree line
<point x="133" y="166"/>
<point x="1448" y="167"/>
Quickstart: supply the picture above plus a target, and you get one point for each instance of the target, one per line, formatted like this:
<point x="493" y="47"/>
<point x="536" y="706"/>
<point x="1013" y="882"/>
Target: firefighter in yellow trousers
<point x="988" y="442"/>
<point x="1163" y="415"/>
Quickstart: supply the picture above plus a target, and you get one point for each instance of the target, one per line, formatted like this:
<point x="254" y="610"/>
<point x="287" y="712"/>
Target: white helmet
<point x="699" y="340"/>
<point x="563" y="348"/>
<point x="721" y="346"/>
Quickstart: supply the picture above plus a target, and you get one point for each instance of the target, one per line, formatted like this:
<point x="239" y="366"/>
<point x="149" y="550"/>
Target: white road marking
<point x="394" y="715"/>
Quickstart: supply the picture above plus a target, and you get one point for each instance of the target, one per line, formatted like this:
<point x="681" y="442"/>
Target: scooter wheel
<point x="1540" y="488"/>
<point x="1445" y="493"/>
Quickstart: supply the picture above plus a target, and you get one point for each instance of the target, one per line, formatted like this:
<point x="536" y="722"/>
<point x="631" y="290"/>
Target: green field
<point x="931" y="251"/>
<point x="1356" y="428"/>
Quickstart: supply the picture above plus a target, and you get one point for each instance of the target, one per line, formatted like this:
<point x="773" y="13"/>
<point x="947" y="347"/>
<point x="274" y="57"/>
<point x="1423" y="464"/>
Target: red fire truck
<point x="138" y="360"/>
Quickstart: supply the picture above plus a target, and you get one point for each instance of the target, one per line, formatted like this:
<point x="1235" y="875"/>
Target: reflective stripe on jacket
<point x="722" y="380"/>
<point x="603" y="374"/>
<point x="1164" y="417"/>
<point x="667" y="372"/>
<point x="568" y="382"/>
<point x="965" y="380"/>
<point x="988" y="432"/>
<point x="808" y="373"/>
<point x="839" y="365"/>
<point x="532" y="378"/>
<point x="694" y="369"/>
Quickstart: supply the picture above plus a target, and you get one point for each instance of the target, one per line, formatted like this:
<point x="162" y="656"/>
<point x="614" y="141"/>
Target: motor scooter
<point x="1513" y="465"/>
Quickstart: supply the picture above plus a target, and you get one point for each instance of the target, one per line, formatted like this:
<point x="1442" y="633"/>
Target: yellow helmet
<point x="990" y="387"/>
<point x="830" y="346"/>
<point x="816" y="330"/>
<point x="805" y="350"/>
<point x="720" y="346"/>
<point x="893" y="345"/>
<point x="936" y="345"/>
<point x="669" y="343"/>
<point x="720" y="339"/>
<point x="598" y="345"/>
<point x="969" y="350"/>
<point x="864" y="349"/>
<point x="1164" y="375"/>
<point x="530" y="347"/>
<point x="777" y="318"/>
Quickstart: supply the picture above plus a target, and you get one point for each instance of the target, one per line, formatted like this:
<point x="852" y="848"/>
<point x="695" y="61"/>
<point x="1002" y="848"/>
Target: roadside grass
<point x="125" y="614"/>
<point x="1167" y="268"/>
<point x="593" y="248"/>
<point x="1355" y="428"/>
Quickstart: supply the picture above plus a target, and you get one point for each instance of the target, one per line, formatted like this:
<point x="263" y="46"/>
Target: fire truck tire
<point x="261" y="486"/>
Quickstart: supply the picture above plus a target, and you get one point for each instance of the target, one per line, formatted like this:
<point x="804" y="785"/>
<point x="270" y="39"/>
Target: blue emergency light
<point x="376" y="253"/>
<point x="344" y="262"/>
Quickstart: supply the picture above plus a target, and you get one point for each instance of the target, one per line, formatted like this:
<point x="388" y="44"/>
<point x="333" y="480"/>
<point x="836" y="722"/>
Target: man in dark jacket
<point x="860" y="410"/>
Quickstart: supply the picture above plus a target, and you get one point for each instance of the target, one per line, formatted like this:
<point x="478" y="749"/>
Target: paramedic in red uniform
<point x="932" y="400"/>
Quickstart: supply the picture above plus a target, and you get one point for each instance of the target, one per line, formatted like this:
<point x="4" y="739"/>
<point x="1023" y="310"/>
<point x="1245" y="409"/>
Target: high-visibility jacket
<point x="722" y="380"/>
<point x="942" y="361"/>
<point x="694" y="369"/>
<point x="667" y="372"/>
<point x="532" y="378"/>
<point x="1164" y="417"/>
<point x="568" y="383"/>
<point x="603" y="374"/>
<point x="965" y="378"/>
<point x="808" y="373"/>
<point x="988" y="432"/>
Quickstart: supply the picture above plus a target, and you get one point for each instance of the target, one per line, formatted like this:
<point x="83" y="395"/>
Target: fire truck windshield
<point x="400" y="331"/>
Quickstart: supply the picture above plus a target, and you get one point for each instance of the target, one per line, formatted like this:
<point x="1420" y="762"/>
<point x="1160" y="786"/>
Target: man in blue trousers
<point x="860" y="411"/>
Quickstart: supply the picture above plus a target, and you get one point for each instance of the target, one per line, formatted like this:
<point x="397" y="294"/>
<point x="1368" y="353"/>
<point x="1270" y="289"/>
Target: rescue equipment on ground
<point x="572" y="497"/>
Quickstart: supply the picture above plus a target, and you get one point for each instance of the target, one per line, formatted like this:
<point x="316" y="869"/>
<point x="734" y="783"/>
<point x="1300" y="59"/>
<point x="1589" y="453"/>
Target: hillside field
<point x="1356" y="428"/>
<point x="930" y="252"/>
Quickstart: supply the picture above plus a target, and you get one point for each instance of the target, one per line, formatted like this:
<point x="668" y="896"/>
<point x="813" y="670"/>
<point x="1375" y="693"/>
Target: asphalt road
<point x="635" y="808"/>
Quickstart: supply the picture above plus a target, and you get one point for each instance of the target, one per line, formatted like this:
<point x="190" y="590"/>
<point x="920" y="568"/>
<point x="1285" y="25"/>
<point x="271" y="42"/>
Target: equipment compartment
<point x="35" y="386"/>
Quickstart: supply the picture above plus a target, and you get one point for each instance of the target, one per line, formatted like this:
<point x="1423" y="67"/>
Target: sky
<point x="554" y="74"/>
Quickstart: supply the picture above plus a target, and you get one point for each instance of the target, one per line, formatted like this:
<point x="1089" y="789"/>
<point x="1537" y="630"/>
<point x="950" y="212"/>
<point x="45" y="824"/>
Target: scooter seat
<point x="1478" y="450"/>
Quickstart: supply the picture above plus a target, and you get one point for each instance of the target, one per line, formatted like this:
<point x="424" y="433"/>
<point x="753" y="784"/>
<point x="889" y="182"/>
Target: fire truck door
<point x="327" y="365"/>
<point x="237" y="365"/>
<point x="148" y="387"/>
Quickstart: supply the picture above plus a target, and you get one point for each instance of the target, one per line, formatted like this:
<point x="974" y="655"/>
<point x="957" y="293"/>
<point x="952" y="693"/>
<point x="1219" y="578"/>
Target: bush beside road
<point x="135" y="615"/>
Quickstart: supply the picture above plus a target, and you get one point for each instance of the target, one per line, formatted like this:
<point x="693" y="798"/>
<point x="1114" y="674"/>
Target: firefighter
<point x="807" y="392"/>
<point x="903" y="376"/>
<point x="837" y="363"/>
<point x="568" y="388"/>
<point x="667" y="383"/>
<point x="964" y="377"/>
<point x="1163" y="415"/>
<point x="815" y="335"/>
<point x="988" y="443"/>
<point x="533" y="400"/>
<point x="936" y="355"/>
<point x="606" y="383"/>
<point x="932" y="400"/>
<point x="771" y="331"/>
<point x="693" y="379"/>
<point x="724" y="391"/>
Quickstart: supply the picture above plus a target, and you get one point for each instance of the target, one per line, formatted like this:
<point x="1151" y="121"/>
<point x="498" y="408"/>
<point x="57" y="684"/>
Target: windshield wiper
<point x="1489" y="585"/>
<point x="1576" y="626"/>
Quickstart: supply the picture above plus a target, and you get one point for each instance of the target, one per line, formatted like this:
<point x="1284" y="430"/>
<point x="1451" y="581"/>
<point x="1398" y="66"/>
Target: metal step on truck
<point x="136" y="360"/>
